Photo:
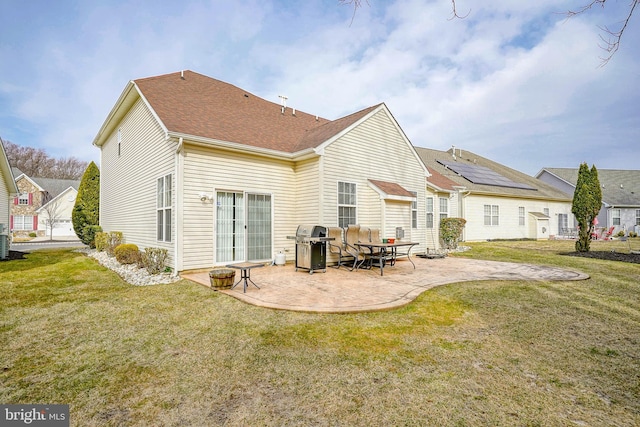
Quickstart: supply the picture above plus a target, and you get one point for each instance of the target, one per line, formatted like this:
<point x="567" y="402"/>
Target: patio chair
<point x="608" y="233"/>
<point x="364" y="236"/>
<point x="337" y="246"/>
<point x="352" y="235"/>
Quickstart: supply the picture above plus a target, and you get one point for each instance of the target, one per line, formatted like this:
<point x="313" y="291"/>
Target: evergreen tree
<point x="587" y="201"/>
<point x="86" y="211"/>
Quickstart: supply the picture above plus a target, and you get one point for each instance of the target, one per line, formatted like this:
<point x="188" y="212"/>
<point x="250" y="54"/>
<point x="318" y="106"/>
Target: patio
<point x="344" y="291"/>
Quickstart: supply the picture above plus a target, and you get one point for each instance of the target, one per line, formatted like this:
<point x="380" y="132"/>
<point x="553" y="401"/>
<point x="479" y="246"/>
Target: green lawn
<point x="477" y="353"/>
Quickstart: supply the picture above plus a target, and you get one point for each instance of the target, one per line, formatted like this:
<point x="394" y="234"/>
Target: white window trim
<point x="344" y="205"/>
<point x="494" y="214"/>
<point x="164" y="206"/>
<point x="430" y="213"/>
<point x="414" y="210"/>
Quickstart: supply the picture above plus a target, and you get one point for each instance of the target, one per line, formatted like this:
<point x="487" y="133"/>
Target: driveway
<point x="343" y="291"/>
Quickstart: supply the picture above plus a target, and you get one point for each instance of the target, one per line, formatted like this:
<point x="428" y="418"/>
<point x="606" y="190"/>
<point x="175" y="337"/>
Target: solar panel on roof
<point x="483" y="175"/>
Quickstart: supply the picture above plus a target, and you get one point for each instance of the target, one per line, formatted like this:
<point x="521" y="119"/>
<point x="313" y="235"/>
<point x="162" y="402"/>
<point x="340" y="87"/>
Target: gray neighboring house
<point x="620" y="194"/>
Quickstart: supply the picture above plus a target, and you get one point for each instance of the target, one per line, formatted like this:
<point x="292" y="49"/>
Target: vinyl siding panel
<point x="509" y="227"/>
<point x="374" y="149"/>
<point x="4" y="203"/>
<point x="210" y="170"/>
<point x="128" y="180"/>
<point x="308" y="190"/>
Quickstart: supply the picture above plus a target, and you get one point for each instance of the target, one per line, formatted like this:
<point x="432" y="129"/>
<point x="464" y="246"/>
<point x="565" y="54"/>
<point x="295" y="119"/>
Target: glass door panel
<point x="230" y="226"/>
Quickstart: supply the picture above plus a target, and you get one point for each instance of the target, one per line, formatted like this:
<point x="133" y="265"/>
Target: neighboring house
<point x="32" y="206"/>
<point x="217" y="175"/>
<point x="8" y="190"/>
<point x="55" y="215"/>
<point x="496" y="201"/>
<point x="620" y="194"/>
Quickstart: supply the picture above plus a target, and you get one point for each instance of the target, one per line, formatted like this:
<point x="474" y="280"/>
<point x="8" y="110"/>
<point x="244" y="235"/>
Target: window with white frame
<point x="163" y="208"/>
<point x="429" y="212"/>
<point x="414" y="210"/>
<point x="347" y="203"/>
<point x="23" y="222"/>
<point x="23" y="199"/>
<point x="444" y="207"/>
<point x="637" y="216"/>
<point x="615" y="216"/>
<point x="521" y="220"/>
<point x="546" y="211"/>
<point x="491" y="215"/>
<point x="563" y="222"/>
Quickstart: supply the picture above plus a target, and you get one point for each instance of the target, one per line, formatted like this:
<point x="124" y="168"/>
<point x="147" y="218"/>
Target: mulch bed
<point x="608" y="255"/>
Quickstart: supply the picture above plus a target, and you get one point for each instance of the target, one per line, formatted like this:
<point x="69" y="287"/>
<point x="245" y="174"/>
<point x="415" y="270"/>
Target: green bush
<point x="154" y="260"/>
<point x="114" y="238"/>
<point x="101" y="241"/>
<point x="89" y="233"/>
<point x="32" y="234"/>
<point x="633" y="234"/>
<point x="451" y="230"/>
<point x="620" y="234"/>
<point x="127" y="253"/>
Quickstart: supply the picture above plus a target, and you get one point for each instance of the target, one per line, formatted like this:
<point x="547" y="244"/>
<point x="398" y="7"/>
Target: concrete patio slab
<point x="344" y="291"/>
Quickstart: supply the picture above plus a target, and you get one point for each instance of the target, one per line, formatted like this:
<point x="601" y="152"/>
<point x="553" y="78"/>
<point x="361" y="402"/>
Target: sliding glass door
<point x="243" y="227"/>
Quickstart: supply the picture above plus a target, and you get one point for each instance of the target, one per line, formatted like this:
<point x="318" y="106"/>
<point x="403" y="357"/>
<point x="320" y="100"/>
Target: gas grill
<point x="311" y="247"/>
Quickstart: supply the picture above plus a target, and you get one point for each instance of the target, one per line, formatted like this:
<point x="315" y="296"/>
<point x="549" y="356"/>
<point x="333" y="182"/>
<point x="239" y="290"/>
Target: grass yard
<point x="477" y="353"/>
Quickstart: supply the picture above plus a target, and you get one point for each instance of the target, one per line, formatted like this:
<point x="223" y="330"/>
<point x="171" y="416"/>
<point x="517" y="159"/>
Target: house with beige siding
<point x="216" y="174"/>
<point x="39" y="205"/>
<point x="620" y="195"/>
<point x="496" y="201"/>
<point x="8" y="190"/>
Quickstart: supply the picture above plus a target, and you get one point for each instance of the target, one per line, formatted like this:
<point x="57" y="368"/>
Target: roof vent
<point x="182" y="74"/>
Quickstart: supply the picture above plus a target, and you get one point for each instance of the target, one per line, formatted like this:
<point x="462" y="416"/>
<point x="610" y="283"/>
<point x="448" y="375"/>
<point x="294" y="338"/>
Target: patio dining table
<point x="387" y="251"/>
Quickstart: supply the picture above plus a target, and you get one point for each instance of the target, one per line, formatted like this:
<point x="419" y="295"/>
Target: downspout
<point x="462" y="194"/>
<point x="178" y="162"/>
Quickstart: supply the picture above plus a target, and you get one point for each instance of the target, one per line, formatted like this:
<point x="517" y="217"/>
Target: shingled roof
<point x="619" y="187"/>
<point x="192" y="104"/>
<point x="537" y="189"/>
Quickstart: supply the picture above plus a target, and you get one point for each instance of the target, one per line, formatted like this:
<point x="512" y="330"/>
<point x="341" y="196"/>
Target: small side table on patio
<point x="245" y="273"/>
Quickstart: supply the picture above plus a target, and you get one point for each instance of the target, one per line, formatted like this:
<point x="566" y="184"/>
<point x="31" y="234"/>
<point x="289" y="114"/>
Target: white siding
<point x="509" y="227"/>
<point x="308" y="188"/>
<point x="210" y="170"/>
<point x="375" y="150"/>
<point x="4" y="202"/>
<point x="128" y="180"/>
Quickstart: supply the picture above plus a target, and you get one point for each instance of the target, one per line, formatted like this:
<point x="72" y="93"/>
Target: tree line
<point x="35" y="162"/>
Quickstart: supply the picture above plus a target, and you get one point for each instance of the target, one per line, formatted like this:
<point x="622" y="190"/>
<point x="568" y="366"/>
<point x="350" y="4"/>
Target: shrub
<point x="451" y="230"/>
<point x="86" y="209"/>
<point x="32" y="234"/>
<point x="101" y="241"/>
<point x="127" y="253"/>
<point x="113" y="239"/>
<point x="89" y="234"/>
<point x="154" y="260"/>
<point x="633" y="234"/>
<point x="620" y="234"/>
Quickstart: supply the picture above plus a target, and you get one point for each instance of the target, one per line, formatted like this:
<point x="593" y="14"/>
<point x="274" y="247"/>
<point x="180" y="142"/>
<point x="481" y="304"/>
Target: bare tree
<point x="53" y="208"/>
<point x="611" y="42"/>
<point x="613" y="37"/>
<point x="35" y="162"/>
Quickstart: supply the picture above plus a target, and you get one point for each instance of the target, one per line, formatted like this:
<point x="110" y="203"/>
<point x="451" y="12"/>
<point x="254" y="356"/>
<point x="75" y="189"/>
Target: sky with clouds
<point x="515" y="81"/>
